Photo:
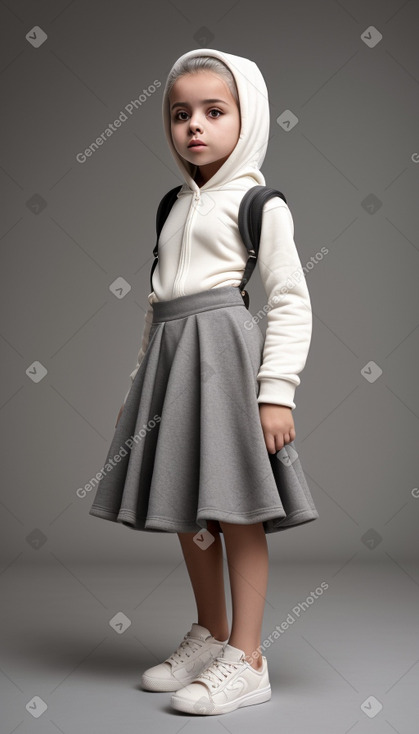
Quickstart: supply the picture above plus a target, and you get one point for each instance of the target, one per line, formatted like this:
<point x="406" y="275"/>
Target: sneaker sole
<point x="202" y="706"/>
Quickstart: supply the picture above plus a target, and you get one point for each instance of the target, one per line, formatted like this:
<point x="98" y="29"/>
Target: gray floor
<point x="344" y="654"/>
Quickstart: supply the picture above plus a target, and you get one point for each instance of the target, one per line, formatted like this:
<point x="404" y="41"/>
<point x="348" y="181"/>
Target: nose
<point x="195" y="123"/>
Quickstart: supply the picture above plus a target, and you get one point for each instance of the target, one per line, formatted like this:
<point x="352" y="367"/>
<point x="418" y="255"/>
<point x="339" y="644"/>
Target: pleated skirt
<point x="189" y="445"/>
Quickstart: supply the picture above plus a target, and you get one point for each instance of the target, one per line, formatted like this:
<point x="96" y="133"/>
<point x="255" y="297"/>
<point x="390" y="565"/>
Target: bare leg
<point x="205" y="568"/>
<point x="247" y="555"/>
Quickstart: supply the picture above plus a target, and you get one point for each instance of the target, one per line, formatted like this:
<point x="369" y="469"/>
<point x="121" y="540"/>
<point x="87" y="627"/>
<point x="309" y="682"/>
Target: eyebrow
<point x="204" y="101"/>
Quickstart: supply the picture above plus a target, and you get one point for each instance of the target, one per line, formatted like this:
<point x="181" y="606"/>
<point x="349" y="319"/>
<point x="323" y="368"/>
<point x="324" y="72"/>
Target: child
<point x="204" y="442"/>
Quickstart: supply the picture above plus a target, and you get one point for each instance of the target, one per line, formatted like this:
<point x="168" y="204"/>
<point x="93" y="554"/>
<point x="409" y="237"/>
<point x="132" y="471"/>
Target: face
<point x="216" y="124"/>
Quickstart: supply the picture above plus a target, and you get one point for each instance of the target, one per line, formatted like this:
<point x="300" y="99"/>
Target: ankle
<point x="252" y="656"/>
<point x="218" y="633"/>
<point x="256" y="663"/>
<point x="220" y="637"/>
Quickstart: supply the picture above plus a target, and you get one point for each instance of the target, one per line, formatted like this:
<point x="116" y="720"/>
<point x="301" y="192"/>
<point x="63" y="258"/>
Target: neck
<point x="199" y="179"/>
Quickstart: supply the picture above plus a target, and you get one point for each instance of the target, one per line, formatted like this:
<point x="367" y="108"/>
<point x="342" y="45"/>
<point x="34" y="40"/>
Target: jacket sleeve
<point x="148" y="320"/>
<point x="289" y="315"/>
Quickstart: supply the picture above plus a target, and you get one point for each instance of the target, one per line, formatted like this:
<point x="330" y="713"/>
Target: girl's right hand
<point x="119" y="414"/>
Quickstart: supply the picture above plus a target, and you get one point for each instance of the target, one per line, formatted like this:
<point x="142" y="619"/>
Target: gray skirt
<point x="189" y="445"/>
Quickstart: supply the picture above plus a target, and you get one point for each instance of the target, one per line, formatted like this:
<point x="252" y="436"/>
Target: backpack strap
<point x="250" y="227"/>
<point x="249" y="222"/>
<point x="162" y="213"/>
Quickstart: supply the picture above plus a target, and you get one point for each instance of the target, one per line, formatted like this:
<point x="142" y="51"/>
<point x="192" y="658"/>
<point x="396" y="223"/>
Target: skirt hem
<point x="162" y="524"/>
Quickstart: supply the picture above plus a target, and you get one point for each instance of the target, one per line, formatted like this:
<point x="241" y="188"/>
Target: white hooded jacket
<point x="200" y="245"/>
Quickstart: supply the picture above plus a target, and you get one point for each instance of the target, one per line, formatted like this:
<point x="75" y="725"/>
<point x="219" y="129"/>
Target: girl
<point x="204" y="443"/>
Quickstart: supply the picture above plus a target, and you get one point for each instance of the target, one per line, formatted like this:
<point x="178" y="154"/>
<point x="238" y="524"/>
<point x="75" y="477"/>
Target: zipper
<point x="185" y="250"/>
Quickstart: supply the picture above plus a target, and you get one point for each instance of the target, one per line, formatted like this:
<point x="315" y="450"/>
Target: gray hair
<point x="200" y="63"/>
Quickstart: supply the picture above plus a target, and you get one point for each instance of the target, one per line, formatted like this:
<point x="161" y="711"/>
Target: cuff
<point x="277" y="391"/>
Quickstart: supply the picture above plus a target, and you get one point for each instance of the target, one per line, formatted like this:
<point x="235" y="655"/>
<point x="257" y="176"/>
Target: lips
<point x="193" y="143"/>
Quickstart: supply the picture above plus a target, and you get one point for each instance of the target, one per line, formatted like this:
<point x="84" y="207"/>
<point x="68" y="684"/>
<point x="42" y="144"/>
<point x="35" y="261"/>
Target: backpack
<point x="249" y="222"/>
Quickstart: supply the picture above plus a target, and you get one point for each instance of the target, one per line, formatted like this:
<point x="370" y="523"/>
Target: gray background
<point x="357" y="132"/>
<point x="349" y="170"/>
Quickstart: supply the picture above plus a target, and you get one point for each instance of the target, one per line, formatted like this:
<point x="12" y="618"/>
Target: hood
<point x="249" y="153"/>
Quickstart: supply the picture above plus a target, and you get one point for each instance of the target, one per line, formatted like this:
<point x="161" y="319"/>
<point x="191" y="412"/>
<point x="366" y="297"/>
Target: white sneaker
<point x="228" y="683"/>
<point x="197" y="650"/>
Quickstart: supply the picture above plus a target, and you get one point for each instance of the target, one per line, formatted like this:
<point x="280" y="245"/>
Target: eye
<point x="182" y="112"/>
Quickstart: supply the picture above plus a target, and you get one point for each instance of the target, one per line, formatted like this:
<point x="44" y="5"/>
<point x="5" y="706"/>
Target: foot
<point x="197" y="650"/>
<point x="226" y="684"/>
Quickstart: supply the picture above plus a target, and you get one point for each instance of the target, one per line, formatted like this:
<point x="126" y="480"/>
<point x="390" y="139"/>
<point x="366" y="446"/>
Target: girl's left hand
<point x="277" y="425"/>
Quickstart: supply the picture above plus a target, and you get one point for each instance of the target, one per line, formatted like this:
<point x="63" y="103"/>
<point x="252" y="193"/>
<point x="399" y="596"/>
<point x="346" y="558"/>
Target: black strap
<point x="249" y="222"/>
<point x="162" y="213"/>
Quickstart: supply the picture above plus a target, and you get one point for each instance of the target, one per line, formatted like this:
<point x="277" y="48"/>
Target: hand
<point x="277" y="425"/>
<point x="119" y="414"/>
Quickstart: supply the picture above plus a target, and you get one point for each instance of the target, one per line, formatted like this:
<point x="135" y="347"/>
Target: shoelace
<point x="218" y="670"/>
<point x="187" y="643"/>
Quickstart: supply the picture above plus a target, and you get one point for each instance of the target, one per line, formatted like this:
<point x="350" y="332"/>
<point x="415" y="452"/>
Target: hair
<point x="195" y="64"/>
